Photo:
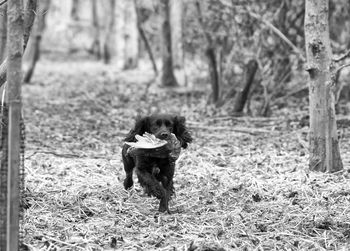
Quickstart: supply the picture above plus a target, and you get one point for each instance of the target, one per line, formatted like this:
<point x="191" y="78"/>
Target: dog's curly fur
<point x="155" y="174"/>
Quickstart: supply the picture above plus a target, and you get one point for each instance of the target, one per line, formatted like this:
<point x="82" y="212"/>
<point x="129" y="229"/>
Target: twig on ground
<point x="62" y="242"/>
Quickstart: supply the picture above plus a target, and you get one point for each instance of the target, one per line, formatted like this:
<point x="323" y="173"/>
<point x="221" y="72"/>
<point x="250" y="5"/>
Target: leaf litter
<point x="243" y="184"/>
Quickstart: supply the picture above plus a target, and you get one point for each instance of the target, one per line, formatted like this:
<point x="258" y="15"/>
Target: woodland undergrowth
<point x="243" y="184"/>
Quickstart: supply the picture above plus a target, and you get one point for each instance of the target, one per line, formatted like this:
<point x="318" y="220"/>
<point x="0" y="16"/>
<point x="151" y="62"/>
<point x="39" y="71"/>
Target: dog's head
<point x="161" y="125"/>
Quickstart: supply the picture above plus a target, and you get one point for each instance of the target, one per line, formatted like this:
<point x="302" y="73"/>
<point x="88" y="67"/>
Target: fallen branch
<point x="252" y="131"/>
<point x="66" y="155"/>
<point x="243" y="119"/>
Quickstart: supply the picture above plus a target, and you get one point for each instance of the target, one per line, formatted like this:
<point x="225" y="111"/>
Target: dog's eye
<point x="168" y="123"/>
<point x="158" y="122"/>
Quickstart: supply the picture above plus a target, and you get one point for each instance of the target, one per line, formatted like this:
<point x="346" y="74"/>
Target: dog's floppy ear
<point x="141" y="126"/>
<point x="181" y="132"/>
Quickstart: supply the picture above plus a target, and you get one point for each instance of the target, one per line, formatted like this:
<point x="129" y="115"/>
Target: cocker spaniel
<point x="155" y="172"/>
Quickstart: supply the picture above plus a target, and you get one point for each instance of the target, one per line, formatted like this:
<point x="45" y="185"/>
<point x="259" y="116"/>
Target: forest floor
<point x="243" y="184"/>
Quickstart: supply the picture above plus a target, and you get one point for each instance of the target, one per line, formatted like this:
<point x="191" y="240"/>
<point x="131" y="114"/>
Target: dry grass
<point x="235" y="190"/>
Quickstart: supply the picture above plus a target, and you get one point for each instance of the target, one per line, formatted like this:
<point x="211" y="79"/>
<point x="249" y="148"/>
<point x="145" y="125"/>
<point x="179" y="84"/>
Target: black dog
<point x="155" y="174"/>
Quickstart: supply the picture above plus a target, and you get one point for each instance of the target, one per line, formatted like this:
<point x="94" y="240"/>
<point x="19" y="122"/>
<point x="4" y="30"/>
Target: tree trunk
<point x="144" y="38"/>
<point x="210" y="54"/>
<point x="32" y="53"/>
<point x="95" y="48"/>
<point x="337" y="91"/>
<point x="131" y="36"/>
<point x="242" y="94"/>
<point x="168" y="78"/>
<point x="3" y="176"/>
<point x="3" y="31"/>
<point x="324" y="145"/>
<point x="16" y="35"/>
<point x="74" y="13"/>
<point x="265" y="110"/>
<point x="214" y="74"/>
<point x="29" y="16"/>
<point x="176" y="33"/>
<point x="109" y="32"/>
<point x="119" y="32"/>
<point x="14" y="80"/>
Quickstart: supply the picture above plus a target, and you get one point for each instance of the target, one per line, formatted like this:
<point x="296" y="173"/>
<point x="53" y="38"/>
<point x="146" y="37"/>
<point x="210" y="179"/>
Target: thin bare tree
<point x="3" y="31"/>
<point x="324" y="144"/>
<point x="96" y="46"/>
<point x="74" y="12"/>
<point x="14" y="82"/>
<point x="32" y="53"/>
<point x="210" y="54"/>
<point x="243" y="92"/>
<point x="131" y="36"/>
<point x="109" y="31"/>
<point x="167" y="78"/>
<point x="29" y="16"/>
<point x="176" y="7"/>
<point x="144" y="37"/>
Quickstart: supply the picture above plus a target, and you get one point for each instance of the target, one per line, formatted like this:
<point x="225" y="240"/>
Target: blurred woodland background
<point x="239" y="52"/>
<point x="239" y="72"/>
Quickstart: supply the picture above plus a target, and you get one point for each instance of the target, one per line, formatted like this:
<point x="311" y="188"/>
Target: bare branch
<point x="342" y="57"/>
<point x="278" y="33"/>
<point x="201" y="23"/>
<point x="144" y="37"/>
<point x="341" y="67"/>
<point x="3" y="69"/>
<point x="29" y="16"/>
<point x="3" y="2"/>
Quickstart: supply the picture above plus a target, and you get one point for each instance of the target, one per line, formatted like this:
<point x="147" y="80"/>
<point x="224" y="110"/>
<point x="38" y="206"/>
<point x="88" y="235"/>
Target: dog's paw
<point x="128" y="183"/>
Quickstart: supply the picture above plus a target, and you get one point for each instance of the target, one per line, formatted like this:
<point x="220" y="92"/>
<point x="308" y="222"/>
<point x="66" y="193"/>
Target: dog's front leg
<point x="153" y="187"/>
<point x="167" y="183"/>
<point x="164" y="204"/>
<point x="129" y="165"/>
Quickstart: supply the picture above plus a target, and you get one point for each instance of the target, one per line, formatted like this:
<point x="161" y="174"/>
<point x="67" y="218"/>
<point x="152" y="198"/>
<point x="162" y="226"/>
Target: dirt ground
<point x="243" y="184"/>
